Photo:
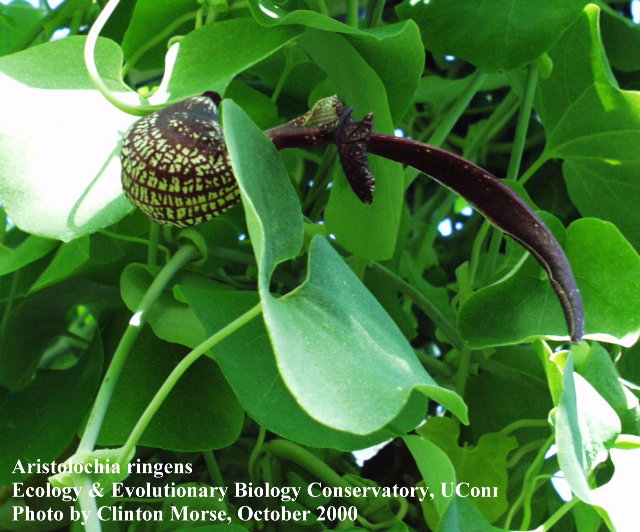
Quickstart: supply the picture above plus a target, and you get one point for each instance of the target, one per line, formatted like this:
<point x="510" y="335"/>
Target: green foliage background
<point x="329" y="325"/>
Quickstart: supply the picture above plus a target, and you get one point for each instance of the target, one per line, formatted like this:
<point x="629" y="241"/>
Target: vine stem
<point x="175" y="375"/>
<point x="293" y="452"/>
<point x="183" y="256"/>
<point x="135" y="57"/>
<point x="528" y="483"/>
<point x="92" y="69"/>
<point x="523" y="122"/>
<point x="557" y="515"/>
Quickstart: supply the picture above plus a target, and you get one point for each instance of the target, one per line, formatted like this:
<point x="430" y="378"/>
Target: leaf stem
<point x="135" y="240"/>
<point x="523" y="451"/>
<point x="154" y="240"/>
<point x="352" y="13"/>
<point x="464" y="365"/>
<point x="523" y="122"/>
<point x="255" y="453"/>
<point x="322" y="7"/>
<point x="421" y="301"/>
<point x="538" y="163"/>
<point x="454" y="114"/>
<point x="524" y="424"/>
<point x="183" y="256"/>
<point x="374" y="13"/>
<point x="213" y="468"/>
<point x="169" y="383"/>
<point x="145" y="47"/>
<point x="492" y="126"/>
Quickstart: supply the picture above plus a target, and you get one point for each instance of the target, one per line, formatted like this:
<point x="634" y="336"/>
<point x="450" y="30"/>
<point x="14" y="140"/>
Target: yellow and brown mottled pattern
<point x="175" y="165"/>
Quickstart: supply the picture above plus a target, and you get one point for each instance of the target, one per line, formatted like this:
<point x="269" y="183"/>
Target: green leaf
<point x="18" y="21"/>
<point x="366" y="230"/>
<point x="396" y="54"/>
<point x="598" y="368"/>
<point x="607" y="271"/>
<point x="586" y="427"/>
<point x="621" y="36"/>
<point x="247" y="361"/>
<point x="59" y="168"/>
<point x="258" y="106"/>
<point x="463" y="516"/>
<point x="310" y="330"/>
<point x="273" y="212"/>
<point x="267" y="13"/>
<point x="342" y="357"/>
<point x="79" y="255"/>
<point x="504" y="34"/>
<point x="594" y="126"/>
<point x="436" y="470"/>
<point x="211" y="56"/>
<point x="201" y="413"/>
<point x="41" y="420"/>
<point x="145" y="41"/>
<point x="29" y="250"/>
<point x="485" y="464"/>
<point x="509" y="386"/>
<point x="45" y="312"/>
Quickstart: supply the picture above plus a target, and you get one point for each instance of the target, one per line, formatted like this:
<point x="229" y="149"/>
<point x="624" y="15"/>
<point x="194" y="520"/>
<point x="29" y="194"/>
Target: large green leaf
<point x="594" y="126"/>
<point x="365" y="230"/>
<point x="503" y="34"/>
<point x="510" y="386"/>
<point x="211" y="56"/>
<point x="59" y="167"/>
<point x="345" y="361"/>
<point x="324" y="343"/>
<point x="607" y="271"/>
<point x="586" y="427"/>
<point x="247" y="361"/>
